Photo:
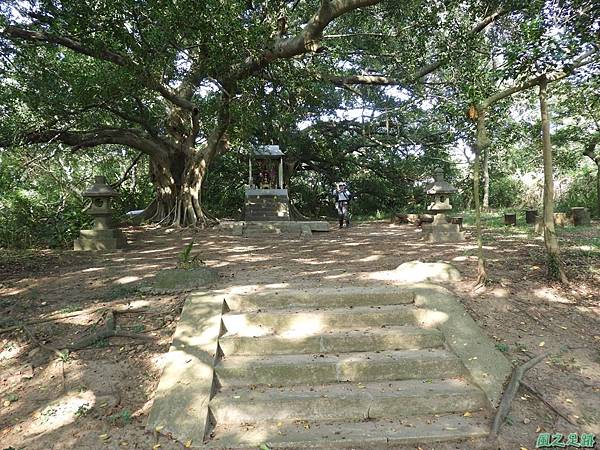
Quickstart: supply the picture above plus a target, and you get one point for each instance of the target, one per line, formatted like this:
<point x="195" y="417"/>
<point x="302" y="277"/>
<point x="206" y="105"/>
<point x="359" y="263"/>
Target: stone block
<point x="561" y="219"/>
<point x="184" y="279"/>
<point x="510" y="219"/>
<point x="530" y="216"/>
<point x="90" y="240"/>
<point x="581" y="217"/>
<point x="417" y="272"/>
<point x="442" y="233"/>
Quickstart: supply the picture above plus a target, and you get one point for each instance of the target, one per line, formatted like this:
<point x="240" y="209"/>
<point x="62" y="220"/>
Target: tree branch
<point x="126" y="173"/>
<point x="580" y="61"/>
<point x="381" y="80"/>
<point x="304" y="42"/>
<point x="86" y="139"/>
<point x="11" y="32"/>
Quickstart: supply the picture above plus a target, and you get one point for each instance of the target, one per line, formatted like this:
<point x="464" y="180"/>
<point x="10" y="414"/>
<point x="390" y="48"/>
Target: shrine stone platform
<point x="270" y="227"/>
<point x="267" y="205"/>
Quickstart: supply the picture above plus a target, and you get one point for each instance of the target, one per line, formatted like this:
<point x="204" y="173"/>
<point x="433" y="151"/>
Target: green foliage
<point x="581" y="192"/>
<point x="187" y="260"/>
<point x="502" y="347"/>
<point x="42" y="205"/>
<point x="121" y="418"/>
<point x="385" y="141"/>
<point x="506" y="192"/>
<point x="83" y="410"/>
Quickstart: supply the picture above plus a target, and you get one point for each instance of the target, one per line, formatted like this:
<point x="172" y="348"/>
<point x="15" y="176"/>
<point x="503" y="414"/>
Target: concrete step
<point x="346" y="401"/>
<point x="373" y="339"/>
<point x="287" y="370"/>
<point x="296" y="322"/>
<point x="372" y="434"/>
<point x="320" y="298"/>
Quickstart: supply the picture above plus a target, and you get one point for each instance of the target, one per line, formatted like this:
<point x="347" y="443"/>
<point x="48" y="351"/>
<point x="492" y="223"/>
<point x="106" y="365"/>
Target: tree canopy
<point x="376" y="92"/>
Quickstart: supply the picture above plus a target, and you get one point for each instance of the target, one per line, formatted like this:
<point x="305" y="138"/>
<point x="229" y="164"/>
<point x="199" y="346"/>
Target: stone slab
<point x="184" y="279"/>
<point x="418" y="272"/>
<point x="346" y="401"/>
<point x="266" y="192"/>
<point x="256" y="227"/>
<point x="374" y="339"/>
<point x="372" y="434"/>
<point x="325" y="297"/>
<point x="287" y="370"/>
<point x="180" y="406"/>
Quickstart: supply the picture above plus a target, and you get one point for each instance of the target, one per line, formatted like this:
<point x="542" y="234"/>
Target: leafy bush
<point x="506" y="192"/>
<point x="581" y="192"/>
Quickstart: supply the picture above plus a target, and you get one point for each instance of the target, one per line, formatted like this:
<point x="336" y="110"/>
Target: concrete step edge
<point x="364" y="434"/>
<point x="327" y="368"/>
<point x="404" y="337"/>
<point x="346" y="401"/>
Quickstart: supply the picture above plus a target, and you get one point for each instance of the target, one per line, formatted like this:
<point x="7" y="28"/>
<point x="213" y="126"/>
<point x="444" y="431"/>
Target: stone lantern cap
<point x="440" y="186"/>
<point x="100" y="189"/>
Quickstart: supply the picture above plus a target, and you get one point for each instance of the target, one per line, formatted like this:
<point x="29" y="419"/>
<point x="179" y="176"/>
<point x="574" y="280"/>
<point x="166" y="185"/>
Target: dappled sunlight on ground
<point x="519" y="309"/>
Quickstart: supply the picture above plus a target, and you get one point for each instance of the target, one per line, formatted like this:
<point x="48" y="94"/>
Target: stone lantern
<point x="103" y="236"/>
<point x="440" y="230"/>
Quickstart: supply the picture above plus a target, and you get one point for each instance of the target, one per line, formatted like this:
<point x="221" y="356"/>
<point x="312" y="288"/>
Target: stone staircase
<point x="339" y="370"/>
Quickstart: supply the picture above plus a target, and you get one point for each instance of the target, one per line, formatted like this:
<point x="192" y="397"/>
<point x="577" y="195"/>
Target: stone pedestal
<point x="581" y="217"/>
<point x="440" y="231"/>
<point x="457" y="220"/>
<point x="530" y="215"/>
<point x="510" y="219"/>
<point x="267" y="205"/>
<point x="111" y="239"/>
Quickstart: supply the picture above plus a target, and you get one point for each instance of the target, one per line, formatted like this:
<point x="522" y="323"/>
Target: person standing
<point x="342" y="202"/>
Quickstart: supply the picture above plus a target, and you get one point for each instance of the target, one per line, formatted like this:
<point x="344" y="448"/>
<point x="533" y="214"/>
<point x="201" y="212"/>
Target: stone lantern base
<point x="111" y="239"/>
<point x="441" y="231"/>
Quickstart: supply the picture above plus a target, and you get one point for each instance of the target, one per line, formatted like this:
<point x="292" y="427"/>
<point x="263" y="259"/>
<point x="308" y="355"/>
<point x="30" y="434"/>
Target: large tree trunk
<point x="178" y="175"/>
<point x="178" y="182"/>
<point x="555" y="268"/>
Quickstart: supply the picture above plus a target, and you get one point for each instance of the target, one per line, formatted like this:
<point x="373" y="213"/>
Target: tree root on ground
<point x="109" y="330"/>
<point x="510" y="392"/>
<point x="162" y="311"/>
<point x="547" y="403"/>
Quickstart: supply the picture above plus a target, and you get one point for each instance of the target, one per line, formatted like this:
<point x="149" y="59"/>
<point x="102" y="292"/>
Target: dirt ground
<point x="99" y="397"/>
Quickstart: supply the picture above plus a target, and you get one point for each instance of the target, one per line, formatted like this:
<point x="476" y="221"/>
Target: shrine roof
<point x="267" y="151"/>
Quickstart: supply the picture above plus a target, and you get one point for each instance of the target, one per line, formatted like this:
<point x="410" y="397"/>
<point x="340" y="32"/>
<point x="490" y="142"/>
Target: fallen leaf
<point x="156" y="446"/>
<point x="541" y="344"/>
<point x="467" y="414"/>
<point x="104" y="437"/>
<point x="188" y="443"/>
